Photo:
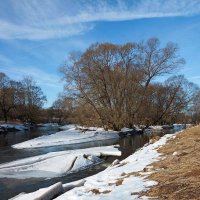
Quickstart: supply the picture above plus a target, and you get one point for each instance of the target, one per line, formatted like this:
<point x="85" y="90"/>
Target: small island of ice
<point x="70" y="136"/>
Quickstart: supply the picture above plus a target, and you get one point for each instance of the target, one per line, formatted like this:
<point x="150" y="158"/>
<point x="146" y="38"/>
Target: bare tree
<point x="115" y="79"/>
<point x="9" y="95"/>
<point x="6" y="96"/>
<point x="62" y="108"/>
<point x="34" y="99"/>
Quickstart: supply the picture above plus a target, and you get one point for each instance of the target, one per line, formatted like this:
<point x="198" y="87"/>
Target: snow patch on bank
<point x="43" y="194"/>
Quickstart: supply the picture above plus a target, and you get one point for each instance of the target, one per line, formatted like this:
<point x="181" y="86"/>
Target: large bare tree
<point x="115" y="79"/>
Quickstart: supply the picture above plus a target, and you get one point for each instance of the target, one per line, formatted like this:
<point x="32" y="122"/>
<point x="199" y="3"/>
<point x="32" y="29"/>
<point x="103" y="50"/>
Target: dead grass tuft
<point x="96" y="191"/>
<point x="153" y="139"/>
<point x="119" y="182"/>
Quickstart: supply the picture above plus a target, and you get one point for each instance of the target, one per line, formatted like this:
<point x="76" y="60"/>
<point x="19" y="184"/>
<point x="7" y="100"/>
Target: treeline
<point x="20" y="100"/>
<point x="117" y="86"/>
<point x="110" y="85"/>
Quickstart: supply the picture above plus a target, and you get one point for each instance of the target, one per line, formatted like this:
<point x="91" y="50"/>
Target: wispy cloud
<point x="36" y="20"/>
<point x="13" y="31"/>
<point x="42" y="78"/>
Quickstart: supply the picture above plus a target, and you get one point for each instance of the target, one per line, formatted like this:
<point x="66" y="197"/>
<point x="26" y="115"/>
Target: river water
<point x="11" y="187"/>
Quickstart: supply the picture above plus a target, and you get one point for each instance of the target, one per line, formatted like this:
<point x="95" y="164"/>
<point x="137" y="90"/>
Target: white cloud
<point x="12" y="31"/>
<point x="41" y="77"/>
<point x="36" y="20"/>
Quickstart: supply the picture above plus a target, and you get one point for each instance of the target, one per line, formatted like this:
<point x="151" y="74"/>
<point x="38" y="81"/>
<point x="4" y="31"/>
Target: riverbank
<point x="163" y="171"/>
<point x="12" y="187"/>
<point x="123" y="179"/>
<point x="178" y="173"/>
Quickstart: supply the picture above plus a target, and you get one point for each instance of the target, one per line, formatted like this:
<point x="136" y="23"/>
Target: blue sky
<point x="36" y="36"/>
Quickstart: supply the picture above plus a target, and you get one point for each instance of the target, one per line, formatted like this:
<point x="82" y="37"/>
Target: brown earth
<point x="178" y="171"/>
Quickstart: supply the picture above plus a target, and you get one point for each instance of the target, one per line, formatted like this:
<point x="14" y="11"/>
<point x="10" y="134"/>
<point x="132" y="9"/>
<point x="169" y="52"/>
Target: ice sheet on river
<point x="71" y="136"/>
<point x="56" y="163"/>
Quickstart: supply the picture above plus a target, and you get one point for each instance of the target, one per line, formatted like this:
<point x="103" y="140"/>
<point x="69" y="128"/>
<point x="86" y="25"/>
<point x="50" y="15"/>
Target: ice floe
<point x="70" y="136"/>
<point x="56" y="163"/>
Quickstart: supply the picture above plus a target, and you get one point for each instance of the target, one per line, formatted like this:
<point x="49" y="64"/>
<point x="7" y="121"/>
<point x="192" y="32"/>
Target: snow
<point x="71" y="185"/>
<point x="105" y="182"/>
<point x="48" y="125"/>
<point x="126" y="129"/>
<point x="67" y="127"/>
<point x="17" y="127"/>
<point x="74" y="126"/>
<point x="156" y="127"/>
<point x="136" y="128"/>
<point x="179" y="126"/>
<point x="49" y="192"/>
<point x="44" y="193"/>
<point x="71" y="136"/>
<point x="56" y="163"/>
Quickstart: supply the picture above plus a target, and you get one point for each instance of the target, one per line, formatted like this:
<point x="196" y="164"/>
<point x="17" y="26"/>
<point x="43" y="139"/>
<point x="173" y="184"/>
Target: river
<point x="11" y="187"/>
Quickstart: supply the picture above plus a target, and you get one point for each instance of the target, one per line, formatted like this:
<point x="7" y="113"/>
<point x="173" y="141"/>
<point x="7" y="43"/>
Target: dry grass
<point x="153" y="139"/>
<point x="96" y="191"/>
<point x="119" y="182"/>
<point x="178" y="175"/>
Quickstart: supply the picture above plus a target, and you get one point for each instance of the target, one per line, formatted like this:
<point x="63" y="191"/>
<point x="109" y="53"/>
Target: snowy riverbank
<point x="121" y="180"/>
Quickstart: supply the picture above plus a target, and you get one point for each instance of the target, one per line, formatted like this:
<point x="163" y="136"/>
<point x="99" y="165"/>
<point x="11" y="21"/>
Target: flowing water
<point x="11" y="187"/>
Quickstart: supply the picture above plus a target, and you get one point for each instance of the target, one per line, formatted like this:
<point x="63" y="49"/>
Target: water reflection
<point x="10" y="138"/>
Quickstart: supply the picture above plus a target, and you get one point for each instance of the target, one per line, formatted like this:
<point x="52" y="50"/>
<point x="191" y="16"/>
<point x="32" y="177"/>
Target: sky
<point x="36" y="36"/>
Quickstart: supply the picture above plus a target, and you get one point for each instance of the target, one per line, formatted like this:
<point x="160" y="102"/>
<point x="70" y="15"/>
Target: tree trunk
<point x="5" y="116"/>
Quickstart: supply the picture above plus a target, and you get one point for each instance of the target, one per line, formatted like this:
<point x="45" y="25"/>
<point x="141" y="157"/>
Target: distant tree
<point x="6" y="96"/>
<point x="10" y="95"/>
<point x="20" y="99"/>
<point x="194" y="112"/>
<point x="34" y="99"/>
<point x="62" y="108"/>
<point x="167" y="102"/>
